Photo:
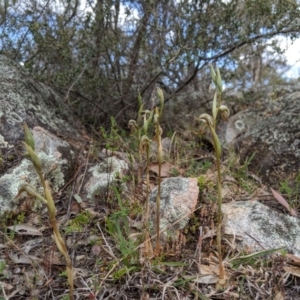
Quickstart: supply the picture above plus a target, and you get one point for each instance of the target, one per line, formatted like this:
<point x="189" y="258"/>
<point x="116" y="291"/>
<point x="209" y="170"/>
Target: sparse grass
<point x="197" y="167"/>
<point x="2" y="268"/>
<point x="174" y="172"/>
<point x="118" y="227"/>
<point x="291" y="192"/>
<point x="240" y="172"/>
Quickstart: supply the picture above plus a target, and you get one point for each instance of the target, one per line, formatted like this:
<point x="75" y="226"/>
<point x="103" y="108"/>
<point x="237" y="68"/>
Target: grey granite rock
<point x="57" y="158"/>
<point x="102" y="176"/>
<point x="24" y="99"/>
<point x="260" y="227"/>
<point x="59" y="136"/>
<point x="270" y="131"/>
<point x="178" y="200"/>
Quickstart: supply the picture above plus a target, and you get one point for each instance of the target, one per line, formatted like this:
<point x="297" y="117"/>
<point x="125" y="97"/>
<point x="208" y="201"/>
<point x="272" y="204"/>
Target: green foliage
<point x="101" y="64"/>
<point x="112" y="138"/>
<point x="123" y="271"/>
<point x="201" y="182"/>
<point x="63" y="274"/>
<point x="21" y="217"/>
<point x="78" y="223"/>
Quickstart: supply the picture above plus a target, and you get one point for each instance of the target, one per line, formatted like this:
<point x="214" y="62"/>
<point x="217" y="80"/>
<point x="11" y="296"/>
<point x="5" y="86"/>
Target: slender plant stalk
<point x="216" y="142"/>
<point x="48" y="200"/>
<point x="158" y="207"/>
<point x="158" y="132"/>
<point x="58" y="238"/>
<point x="219" y="221"/>
<point x="148" y="185"/>
<point x="159" y="158"/>
<point x="140" y="159"/>
<point x="146" y="147"/>
<point x="138" y="132"/>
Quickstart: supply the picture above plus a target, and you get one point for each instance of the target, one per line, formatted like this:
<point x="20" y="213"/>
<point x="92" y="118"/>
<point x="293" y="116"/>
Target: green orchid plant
<point x="209" y="122"/>
<point x="48" y="200"/>
<point x="140" y="127"/>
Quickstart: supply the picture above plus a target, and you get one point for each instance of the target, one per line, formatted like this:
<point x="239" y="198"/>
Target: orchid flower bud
<point x="224" y="112"/>
<point x="207" y="119"/>
<point x="29" y="140"/>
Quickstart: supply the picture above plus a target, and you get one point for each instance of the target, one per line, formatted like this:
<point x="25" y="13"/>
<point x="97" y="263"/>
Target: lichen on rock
<point x="42" y="107"/>
<point x="55" y="167"/>
<point x="261" y="227"/>
<point x="270" y="132"/>
<point x="103" y="175"/>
